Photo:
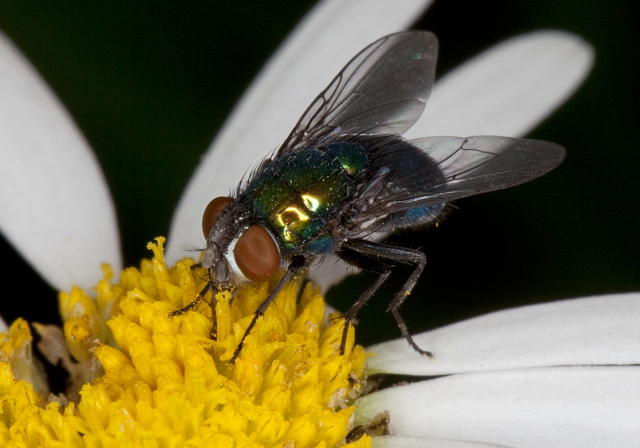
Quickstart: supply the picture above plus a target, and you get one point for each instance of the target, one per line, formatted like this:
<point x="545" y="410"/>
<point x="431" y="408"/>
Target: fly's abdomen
<point x="413" y="217"/>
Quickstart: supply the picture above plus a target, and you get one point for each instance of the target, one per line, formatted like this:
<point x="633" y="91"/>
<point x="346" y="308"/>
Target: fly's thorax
<point x="297" y="194"/>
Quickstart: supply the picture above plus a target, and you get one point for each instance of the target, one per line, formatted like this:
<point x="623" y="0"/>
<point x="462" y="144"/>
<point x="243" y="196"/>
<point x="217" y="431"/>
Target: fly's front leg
<point x="212" y="303"/>
<point x="297" y="264"/>
<point x="198" y="299"/>
<point x="370" y="249"/>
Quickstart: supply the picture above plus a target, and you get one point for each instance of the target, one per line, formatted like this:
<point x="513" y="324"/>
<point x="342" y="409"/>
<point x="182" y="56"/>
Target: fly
<point x="345" y="173"/>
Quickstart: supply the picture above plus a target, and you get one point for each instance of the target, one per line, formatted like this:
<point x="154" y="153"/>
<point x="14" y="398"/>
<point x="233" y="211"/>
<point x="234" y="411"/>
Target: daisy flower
<point x="560" y="374"/>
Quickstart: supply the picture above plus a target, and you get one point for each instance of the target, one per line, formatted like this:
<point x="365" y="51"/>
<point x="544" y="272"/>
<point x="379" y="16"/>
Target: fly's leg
<point x="195" y="301"/>
<point x="402" y="254"/>
<point x="212" y="303"/>
<point x="297" y="264"/>
<point x="355" y="258"/>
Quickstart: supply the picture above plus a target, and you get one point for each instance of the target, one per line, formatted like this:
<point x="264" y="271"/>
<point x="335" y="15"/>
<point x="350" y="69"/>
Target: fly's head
<point x="239" y="248"/>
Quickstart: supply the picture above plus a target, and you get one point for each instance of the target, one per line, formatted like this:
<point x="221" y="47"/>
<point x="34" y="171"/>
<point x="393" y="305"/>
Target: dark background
<point x="150" y="84"/>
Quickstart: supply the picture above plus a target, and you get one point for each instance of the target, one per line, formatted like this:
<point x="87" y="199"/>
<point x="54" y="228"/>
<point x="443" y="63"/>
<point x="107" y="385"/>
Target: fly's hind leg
<point x="359" y="260"/>
<point x="372" y="251"/>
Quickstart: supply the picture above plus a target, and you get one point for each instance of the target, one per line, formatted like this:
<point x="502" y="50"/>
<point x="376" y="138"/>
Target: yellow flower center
<point x="144" y="378"/>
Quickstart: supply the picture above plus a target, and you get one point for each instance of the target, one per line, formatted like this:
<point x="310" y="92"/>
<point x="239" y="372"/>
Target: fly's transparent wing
<point x="381" y="91"/>
<point x="456" y="167"/>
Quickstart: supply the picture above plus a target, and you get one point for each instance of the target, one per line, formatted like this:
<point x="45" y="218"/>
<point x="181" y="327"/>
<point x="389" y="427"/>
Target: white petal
<point x="56" y="208"/>
<point x="548" y="407"/>
<point x="319" y="47"/>
<point x="419" y="442"/>
<point x="3" y="325"/>
<point x="591" y="331"/>
<point x="508" y="89"/>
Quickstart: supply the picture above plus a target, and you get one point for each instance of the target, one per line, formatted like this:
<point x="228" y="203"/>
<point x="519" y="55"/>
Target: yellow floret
<point x="146" y="378"/>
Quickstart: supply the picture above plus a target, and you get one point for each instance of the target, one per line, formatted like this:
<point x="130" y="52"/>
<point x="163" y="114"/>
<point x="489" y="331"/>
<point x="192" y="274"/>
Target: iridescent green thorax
<point x="351" y="156"/>
<point x="296" y="193"/>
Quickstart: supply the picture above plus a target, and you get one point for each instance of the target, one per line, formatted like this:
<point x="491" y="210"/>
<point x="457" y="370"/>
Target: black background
<point x="151" y="83"/>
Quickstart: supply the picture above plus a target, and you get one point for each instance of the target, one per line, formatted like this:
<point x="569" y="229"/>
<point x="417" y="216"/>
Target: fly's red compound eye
<point x="256" y="254"/>
<point x="212" y="212"/>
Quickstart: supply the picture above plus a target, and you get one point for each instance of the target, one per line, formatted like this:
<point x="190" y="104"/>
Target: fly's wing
<point x="456" y="167"/>
<point x="381" y="91"/>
